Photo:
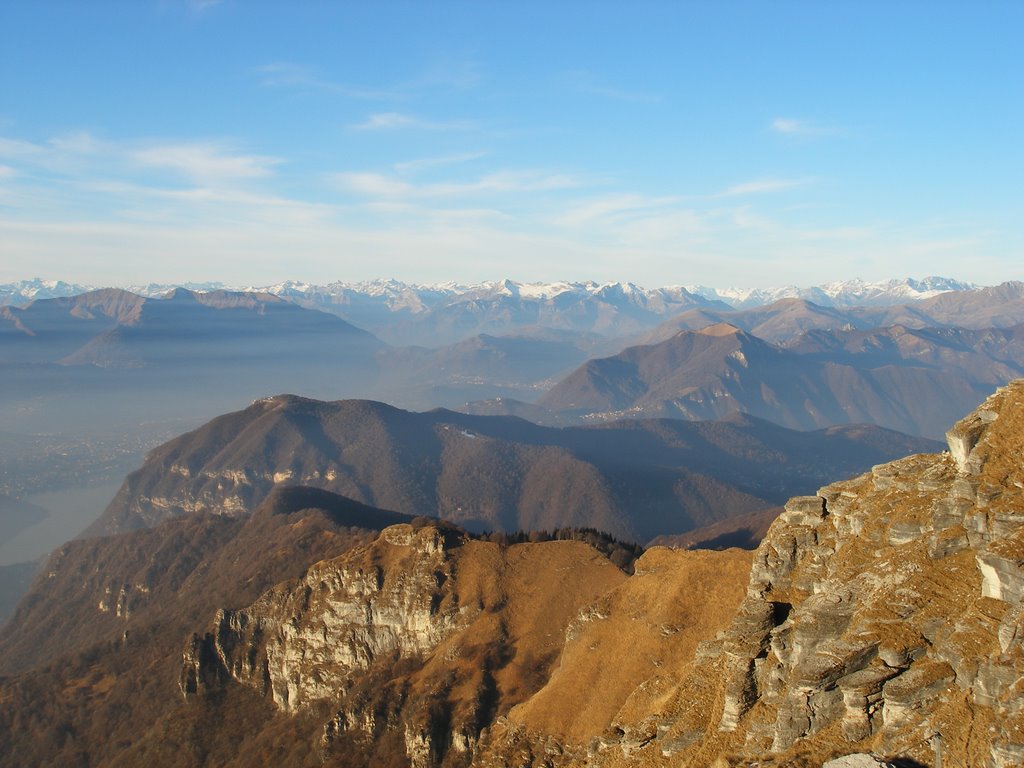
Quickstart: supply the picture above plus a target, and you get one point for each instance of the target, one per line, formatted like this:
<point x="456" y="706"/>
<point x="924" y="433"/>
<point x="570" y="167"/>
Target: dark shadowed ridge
<point x="777" y="322"/>
<point x="342" y="511"/>
<point x="634" y="479"/>
<point x="186" y="327"/>
<point x="916" y="381"/>
<point x="49" y="329"/>
<point x="111" y="327"/>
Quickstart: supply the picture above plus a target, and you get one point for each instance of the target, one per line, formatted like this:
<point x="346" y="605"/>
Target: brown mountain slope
<point x="400" y="650"/>
<point x="93" y="654"/>
<point x="408" y="649"/>
<point x="744" y="532"/>
<point x="643" y="632"/>
<point x="883" y="611"/>
<point x="635" y="480"/>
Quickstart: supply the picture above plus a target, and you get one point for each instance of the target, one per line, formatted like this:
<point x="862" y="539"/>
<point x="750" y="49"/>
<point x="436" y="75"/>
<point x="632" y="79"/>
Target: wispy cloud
<point x="71" y="153"/>
<point x="204" y="162"/>
<point x="797" y="127"/>
<point x="612" y="207"/>
<point x="586" y="82"/>
<point x="390" y="121"/>
<point x="83" y="155"/>
<point x="80" y="142"/>
<point x="459" y="72"/>
<point x="836" y="233"/>
<point x="763" y="186"/>
<point x="429" y="163"/>
<point x="409" y="211"/>
<point x="290" y="75"/>
<point x="130" y="191"/>
<point x="16" y="148"/>
<point x="637" y="223"/>
<point x="374" y="184"/>
<point x="389" y="186"/>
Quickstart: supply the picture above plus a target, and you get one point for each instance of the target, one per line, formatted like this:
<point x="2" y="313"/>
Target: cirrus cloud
<point x="797" y="127"/>
<point x="381" y="185"/>
<point x="763" y="186"/>
<point x="390" y="121"/>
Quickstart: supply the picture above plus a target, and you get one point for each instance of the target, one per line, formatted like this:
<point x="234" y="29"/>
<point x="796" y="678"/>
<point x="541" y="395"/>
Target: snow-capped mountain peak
<point x="839" y="293"/>
<point x="395" y="295"/>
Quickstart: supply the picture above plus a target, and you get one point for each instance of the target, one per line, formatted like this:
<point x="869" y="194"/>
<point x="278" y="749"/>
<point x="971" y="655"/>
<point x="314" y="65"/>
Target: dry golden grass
<point x="644" y="630"/>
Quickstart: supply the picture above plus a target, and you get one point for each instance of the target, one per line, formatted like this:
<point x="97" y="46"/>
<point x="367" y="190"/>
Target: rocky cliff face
<point x="881" y="612"/>
<point x="355" y="614"/>
<point x="406" y="649"/>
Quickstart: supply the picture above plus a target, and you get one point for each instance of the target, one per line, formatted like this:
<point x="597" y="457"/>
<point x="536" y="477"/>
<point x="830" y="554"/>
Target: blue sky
<point x="723" y="143"/>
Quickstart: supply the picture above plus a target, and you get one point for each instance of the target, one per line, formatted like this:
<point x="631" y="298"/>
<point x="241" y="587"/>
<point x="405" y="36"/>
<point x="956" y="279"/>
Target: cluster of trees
<point x="622" y="553"/>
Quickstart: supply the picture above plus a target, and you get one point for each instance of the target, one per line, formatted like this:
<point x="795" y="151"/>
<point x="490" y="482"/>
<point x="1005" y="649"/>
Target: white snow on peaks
<point x="840" y="293"/>
<point x="544" y="290"/>
<point x="395" y="295"/>
<point x="29" y="290"/>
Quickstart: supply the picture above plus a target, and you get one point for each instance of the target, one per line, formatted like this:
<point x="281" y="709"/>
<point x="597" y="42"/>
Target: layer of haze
<point x="720" y="143"/>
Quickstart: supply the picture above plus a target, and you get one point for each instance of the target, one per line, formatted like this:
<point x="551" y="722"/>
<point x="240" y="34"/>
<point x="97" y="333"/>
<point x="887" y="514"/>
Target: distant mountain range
<point x="113" y="356"/>
<point x="200" y="353"/>
<point x="839" y="293"/>
<point x="115" y="327"/>
<point x="432" y="315"/>
<point x="999" y="306"/>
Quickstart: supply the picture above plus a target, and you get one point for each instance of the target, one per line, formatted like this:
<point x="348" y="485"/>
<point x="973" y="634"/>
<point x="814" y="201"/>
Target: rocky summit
<point x="405" y="650"/>
<point x="883" y="620"/>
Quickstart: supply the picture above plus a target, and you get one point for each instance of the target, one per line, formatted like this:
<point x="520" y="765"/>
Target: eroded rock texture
<point x="880" y="612"/>
<point x="406" y="649"/>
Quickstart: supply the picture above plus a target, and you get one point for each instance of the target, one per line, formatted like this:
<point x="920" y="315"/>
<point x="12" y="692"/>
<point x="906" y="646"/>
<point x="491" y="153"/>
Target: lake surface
<point x="70" y="512"/>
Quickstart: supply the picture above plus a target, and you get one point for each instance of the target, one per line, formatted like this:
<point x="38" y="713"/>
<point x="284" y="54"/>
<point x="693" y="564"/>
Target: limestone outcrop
<point x="301" y="644"/>
<point x="883" y="620"/>
<point x="406" y="649"/>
